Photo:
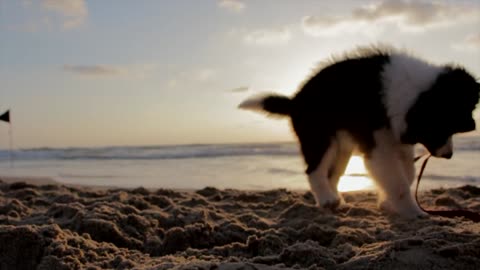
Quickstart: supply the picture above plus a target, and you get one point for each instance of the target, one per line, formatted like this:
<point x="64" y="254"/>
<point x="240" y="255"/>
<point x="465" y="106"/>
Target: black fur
<point x="277" y="105"/>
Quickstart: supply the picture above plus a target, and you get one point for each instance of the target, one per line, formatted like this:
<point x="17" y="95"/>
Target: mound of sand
<point x="60" y="227"/>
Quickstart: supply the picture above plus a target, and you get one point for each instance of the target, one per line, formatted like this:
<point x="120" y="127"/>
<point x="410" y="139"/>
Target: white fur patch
<point x="406" y="154"/>
<point x="404" y="79"/>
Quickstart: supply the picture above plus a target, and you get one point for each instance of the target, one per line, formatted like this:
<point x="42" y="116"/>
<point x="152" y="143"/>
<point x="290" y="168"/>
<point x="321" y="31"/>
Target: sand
<point x="54" y="226"/>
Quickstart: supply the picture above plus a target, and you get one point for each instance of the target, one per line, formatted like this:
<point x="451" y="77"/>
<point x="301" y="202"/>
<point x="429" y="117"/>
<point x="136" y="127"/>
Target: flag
<point x="5" y="117"/>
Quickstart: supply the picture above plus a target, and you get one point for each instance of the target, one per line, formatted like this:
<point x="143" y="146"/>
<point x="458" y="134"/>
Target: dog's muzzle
<point x="445" y="151"/>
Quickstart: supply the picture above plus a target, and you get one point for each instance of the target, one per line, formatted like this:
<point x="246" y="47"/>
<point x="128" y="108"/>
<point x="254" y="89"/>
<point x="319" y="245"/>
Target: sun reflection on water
<point x="355" y="177"/>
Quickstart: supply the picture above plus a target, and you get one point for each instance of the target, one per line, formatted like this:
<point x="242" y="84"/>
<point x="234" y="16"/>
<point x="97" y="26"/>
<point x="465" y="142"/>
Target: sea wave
<point x="152" y="152"/>
<point x="437" y="177"/>
<point x="181" y="151"/>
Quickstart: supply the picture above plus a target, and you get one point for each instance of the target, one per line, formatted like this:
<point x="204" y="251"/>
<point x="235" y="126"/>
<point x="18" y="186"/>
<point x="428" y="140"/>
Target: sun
<point x="355" y="177"/>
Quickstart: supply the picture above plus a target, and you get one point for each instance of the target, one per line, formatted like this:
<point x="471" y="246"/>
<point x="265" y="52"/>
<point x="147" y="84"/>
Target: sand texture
<point x="59" y="227"/>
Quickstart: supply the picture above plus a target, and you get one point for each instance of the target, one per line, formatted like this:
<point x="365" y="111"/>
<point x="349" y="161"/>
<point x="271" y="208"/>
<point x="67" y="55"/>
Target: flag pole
<point x="10" y="143"/>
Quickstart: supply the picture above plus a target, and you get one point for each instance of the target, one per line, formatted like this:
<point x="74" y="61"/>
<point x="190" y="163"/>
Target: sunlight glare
<point x="355" y="177"/>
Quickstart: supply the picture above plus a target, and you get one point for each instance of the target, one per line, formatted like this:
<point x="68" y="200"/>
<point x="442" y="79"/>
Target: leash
<point x="473" y="216"/>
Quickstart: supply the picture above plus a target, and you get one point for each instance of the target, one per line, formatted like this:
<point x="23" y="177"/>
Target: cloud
<point x="265" y="37"/>
<point x="240" y="89"/>
<point x="73" y="12"/>
<point x="51" y="14"/>
<point x="201" y="75"/>
<point x="415" y="13"/>
<point x="331" y="26"/>
<point x="232" y="5"/>
<point x="473" y="40"/>
<point x="470" y="43"/>
<point x="204" y="75"/>
<point x="95" y="70"/>
<point x="131" y="71"/>
<point x="409" y="16"/>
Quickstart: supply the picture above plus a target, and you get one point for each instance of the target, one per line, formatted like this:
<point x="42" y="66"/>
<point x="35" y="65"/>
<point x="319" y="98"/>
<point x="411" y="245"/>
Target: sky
<point x="79" y="73"/>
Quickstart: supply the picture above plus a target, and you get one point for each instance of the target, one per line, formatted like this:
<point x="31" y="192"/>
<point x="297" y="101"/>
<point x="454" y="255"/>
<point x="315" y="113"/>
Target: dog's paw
<point x="331" y="204"/>
<point x="328" y="200"/>
<point x="403" y="208"/>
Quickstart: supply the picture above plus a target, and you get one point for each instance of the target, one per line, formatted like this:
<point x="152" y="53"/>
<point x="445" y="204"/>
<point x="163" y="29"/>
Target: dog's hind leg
<point x="325" y="195"/>
<point x="386" y="167"/>
<point x="319" y="151"/>
<point x="320" y="157"/>
<point x="345" y="147"/>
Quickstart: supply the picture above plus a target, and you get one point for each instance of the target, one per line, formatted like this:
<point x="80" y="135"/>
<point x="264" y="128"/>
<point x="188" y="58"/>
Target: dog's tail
<point x="269" y="103"/>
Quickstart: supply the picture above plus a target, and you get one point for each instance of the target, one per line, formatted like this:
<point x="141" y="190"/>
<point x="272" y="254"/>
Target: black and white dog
<point x="382" y="102"/>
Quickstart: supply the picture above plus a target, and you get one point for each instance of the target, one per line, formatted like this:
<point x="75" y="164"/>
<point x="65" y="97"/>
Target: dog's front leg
<point x="389" y="171"/>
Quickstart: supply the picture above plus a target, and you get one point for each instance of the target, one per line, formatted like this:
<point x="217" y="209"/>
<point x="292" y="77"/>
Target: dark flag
<point x="5" y="117"/>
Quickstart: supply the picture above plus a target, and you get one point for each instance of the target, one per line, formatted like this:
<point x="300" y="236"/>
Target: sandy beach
<point x="52" y="226"/>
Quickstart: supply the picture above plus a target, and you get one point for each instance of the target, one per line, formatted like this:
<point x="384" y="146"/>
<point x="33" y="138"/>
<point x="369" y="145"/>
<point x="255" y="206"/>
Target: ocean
<point x="237" y="166"/>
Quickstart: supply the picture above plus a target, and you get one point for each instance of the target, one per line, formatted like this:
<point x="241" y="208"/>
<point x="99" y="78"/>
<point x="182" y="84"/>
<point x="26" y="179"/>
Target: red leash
<point x="444" y="213"/>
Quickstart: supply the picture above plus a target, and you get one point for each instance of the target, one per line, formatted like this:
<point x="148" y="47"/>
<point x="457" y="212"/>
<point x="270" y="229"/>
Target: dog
<point x="381" y="102"/>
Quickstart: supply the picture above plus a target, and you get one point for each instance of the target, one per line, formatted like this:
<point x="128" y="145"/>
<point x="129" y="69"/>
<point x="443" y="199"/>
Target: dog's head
<point x="443" y="110"/>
